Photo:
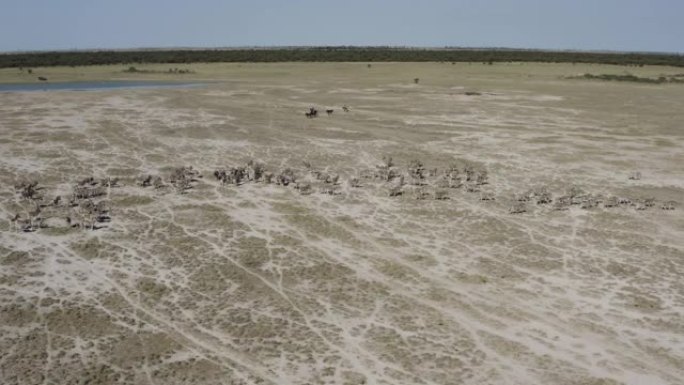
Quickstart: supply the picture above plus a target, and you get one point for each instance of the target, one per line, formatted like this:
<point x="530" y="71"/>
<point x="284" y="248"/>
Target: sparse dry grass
<point x="259" y="284"/>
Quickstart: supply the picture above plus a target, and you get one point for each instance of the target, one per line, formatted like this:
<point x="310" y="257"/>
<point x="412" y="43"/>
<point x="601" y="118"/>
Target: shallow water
<point x="91" y="85"/>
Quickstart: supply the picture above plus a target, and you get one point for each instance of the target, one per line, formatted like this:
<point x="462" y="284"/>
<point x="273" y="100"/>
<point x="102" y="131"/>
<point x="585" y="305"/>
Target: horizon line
<point x="286" y="47"/>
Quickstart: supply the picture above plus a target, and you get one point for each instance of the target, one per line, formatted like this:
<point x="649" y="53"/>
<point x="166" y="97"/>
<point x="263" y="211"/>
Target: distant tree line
<point x="331" y="54"/>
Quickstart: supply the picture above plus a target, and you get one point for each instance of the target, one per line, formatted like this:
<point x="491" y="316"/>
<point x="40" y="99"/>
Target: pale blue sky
<point x="632" y="25"/>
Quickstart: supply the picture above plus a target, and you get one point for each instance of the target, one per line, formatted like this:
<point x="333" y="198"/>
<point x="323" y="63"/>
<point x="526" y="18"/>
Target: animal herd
<point x="313" y="112"/>
<point x="417" y="181"/>
<point x="88" y="207"/>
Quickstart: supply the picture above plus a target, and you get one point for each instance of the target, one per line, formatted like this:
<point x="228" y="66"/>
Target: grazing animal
<point x="84" y="192"/>
<point x="443" y="182"/>
<point x="329" y="111"/>
<point x="26" y="225"/>
<point x="395" y="191"/>
<point x="575" y="191"/>
<point x="345" y="108"/>
<point x="329" y="190"/>
<point x="611" y="202"/>
<point x="624" y="201"/>
<point x="560" y="206"/>
<point x="158" y="183"/>
<point x="14" y="220"/>
<point x="304" y="188"/>
<point x="486" y="196"/>
<point x="42" y="78"/>
<point x="544" y="198"/>
<point x="146" y="181"/>
<point x="669" y="205"/>
<point x="469" y="171"/>
<point x="286" y="177"/>
<point x="71" y="223"/>
<point x="481" y="177"/>
<point x="87" y="181"/>
<point x="319" y="175"/>
<point x="255" y="171"/>
<point x="221" y="175"/>
<point x="518" y="208"/>
<point x="589" y="204"/>
<point x="110" y="182"/>
<point x="312" y="113"/>
<point x="565" y="200"/>
<point x="29" y="190"/>
<point x="442" y="194"/>
<point x="421" y="194"/>
<point x="416" y="171"/>
<point x="35" y="215"/>
<point x="332" y="179"/>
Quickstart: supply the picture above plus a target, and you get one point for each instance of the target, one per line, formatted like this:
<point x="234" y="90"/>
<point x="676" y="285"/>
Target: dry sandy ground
<point x="258" y="284"/>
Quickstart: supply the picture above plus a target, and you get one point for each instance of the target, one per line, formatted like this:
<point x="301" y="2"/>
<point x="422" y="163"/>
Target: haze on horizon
<point x="617" y="25"/>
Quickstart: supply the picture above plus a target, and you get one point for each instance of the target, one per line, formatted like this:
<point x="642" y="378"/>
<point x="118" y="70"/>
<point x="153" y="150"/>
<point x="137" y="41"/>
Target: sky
<point x="617" y="25"/>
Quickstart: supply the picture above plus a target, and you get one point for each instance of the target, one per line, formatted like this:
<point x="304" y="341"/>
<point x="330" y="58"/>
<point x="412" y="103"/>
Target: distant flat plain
<point x="258" y="284"/>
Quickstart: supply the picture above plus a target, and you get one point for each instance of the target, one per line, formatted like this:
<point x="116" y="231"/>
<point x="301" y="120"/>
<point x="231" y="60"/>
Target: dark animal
<point x="42" y="78"/>
<point x="87" y="181"/>
<point x="345" y="108"/>
<point x="146" y="181"/>
<point x="329" y="111"/>
<point x="312" y="113"/>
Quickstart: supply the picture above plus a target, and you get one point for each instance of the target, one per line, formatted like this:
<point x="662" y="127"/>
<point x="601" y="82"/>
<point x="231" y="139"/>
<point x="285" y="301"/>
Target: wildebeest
<point x="42" y="78"/>
<point x="329" y="111"/>
<point x="518" y="208"/>
<point x="312" y="113"/>
<point x="345" y="108"/>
